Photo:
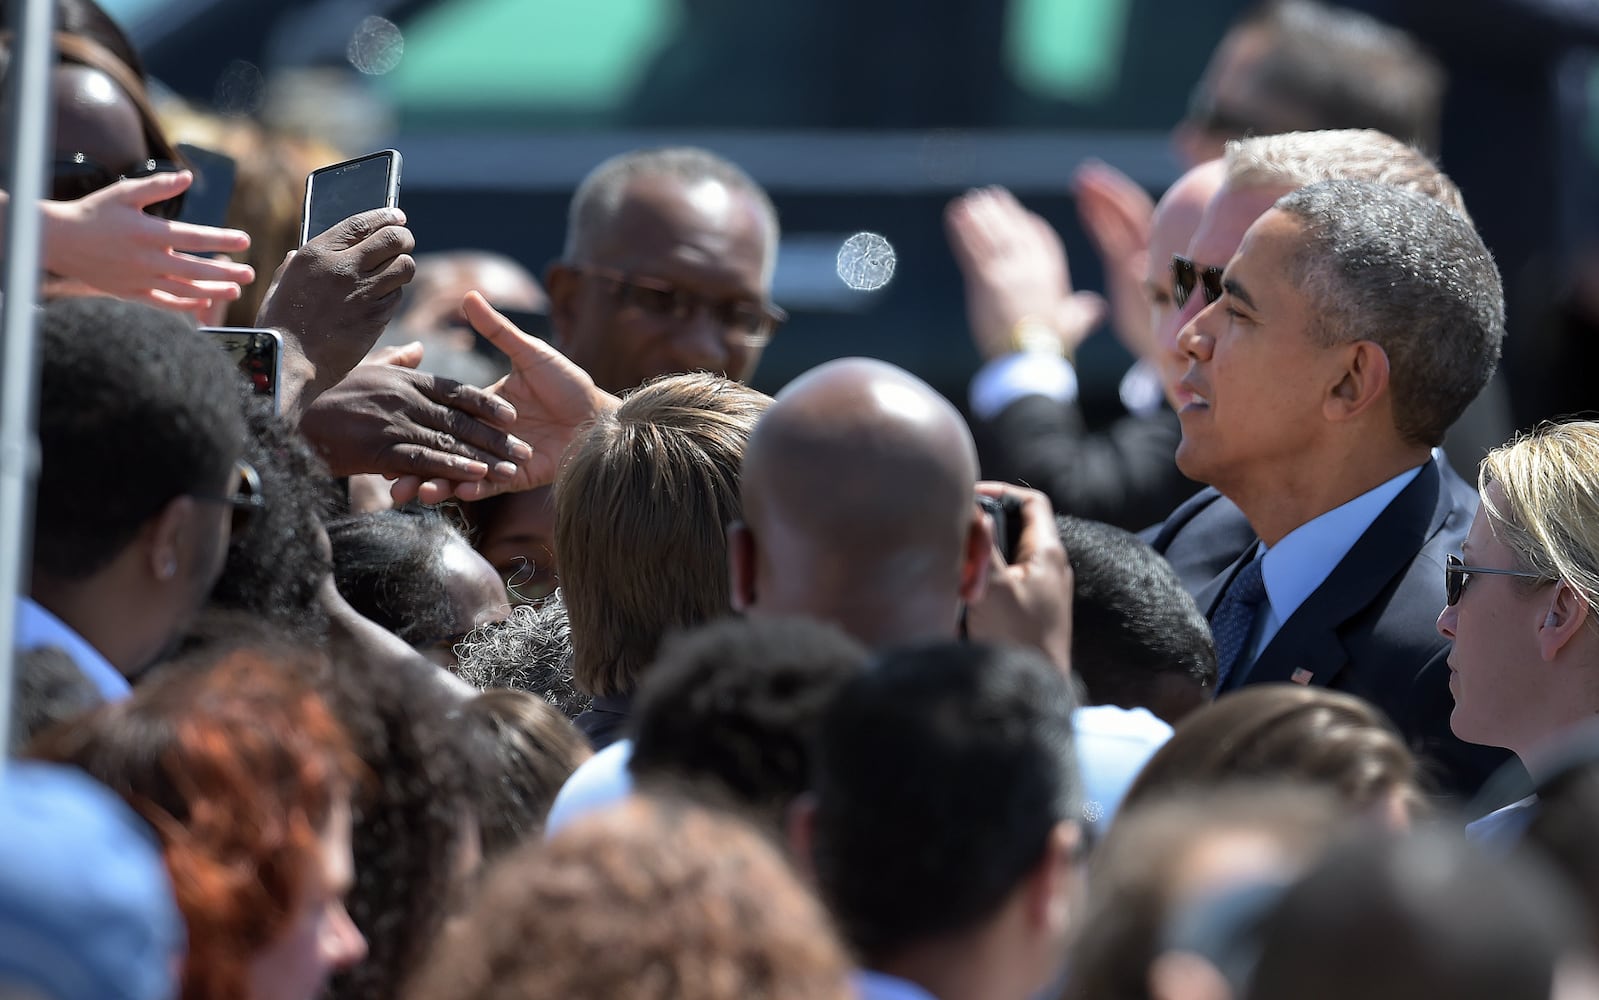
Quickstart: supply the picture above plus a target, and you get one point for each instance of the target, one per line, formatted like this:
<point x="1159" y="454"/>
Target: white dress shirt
<point x="37" y="627"/>
<point x="1303" y="559"/>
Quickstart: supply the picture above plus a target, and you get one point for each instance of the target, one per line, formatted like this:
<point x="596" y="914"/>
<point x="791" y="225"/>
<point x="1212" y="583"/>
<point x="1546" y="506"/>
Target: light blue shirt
<point x="1006" y="379"/>
<point x="37" y="627"/>
<point x="1303" y="559"/>
<point x="871" y="985"/>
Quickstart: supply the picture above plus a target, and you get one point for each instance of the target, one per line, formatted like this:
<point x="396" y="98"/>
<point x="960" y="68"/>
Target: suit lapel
<point x="1309" y="647"/>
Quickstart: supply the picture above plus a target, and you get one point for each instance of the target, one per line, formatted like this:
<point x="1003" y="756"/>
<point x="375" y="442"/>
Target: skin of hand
<point x="553" y="397"/>
<point x="1014" y="267"/>
<point x="107" y="241"/>
<point x="332" y="298"/>
<point x="1028" y="602"/>
<point x="1116" y="214"/>
<point x="390" y="419"/>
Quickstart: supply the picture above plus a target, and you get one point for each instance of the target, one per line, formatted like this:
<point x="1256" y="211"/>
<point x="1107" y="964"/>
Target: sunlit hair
<point x="238" y="766"/>
<point x="531" y="650"/>
<point x="1550" y="513"/>
<point x="534" y="749"/>
<point x="1289" y="733"/>
<point x="649" y="900"/>
<point x="1299" y="159"/>
<point x="641" y="513"/>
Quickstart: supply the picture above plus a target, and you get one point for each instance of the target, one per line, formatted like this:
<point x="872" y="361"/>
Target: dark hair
<point x="641" y="514"/>
<point x="389" y="566"/>
<point x="1394" y="267"/>
<point x="48" y="688"/>
<point x="1285" y="732"/>
<point x="1133" y="624"/>
<point x="87" y="19"/>
<point x="942" y="771"/>
<point x="276" y="569"/>
<point x="536" y="749"/>
<point x="734" y="707"/>
<point x="1426" y="915"/>
<point x="136" y="408"/>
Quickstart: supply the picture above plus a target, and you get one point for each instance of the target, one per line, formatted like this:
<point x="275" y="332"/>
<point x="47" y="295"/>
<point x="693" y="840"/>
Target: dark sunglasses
<point x="1457" y="574"/>
<point x="247" y="500"/>
<point x="743" y="319"/>
<point x="1185" y="274"/>
<point x="78" y="175"/>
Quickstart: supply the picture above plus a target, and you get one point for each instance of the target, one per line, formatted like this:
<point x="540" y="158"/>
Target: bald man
<point x="1024" y="399"/>
<point x="860" y="507"/>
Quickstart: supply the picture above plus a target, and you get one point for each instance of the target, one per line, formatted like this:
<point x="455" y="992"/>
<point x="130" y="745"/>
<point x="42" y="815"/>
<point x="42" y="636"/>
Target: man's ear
<point x="562" y="284"/>
<point x="977" y="556"/>
<point x="740" y="566"/>
<point x="166" y="540"/>
<point x="1364" y="381"/>
<point x="799" y="828"/>
<point x="1564" y="618"/>
<point x="1055" y="882"/>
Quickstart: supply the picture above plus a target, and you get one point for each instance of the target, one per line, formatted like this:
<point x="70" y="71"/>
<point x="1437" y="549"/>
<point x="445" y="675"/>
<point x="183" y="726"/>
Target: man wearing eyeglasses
<point x="141" y="484"/>
<point x="1354" y="324"/>
<point x="667" y="269"/>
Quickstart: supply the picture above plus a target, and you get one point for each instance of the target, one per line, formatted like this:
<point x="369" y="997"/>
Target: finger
<point x="185" y="236"/>
<point x="404" y="489"/>
<point x="1039" y="541"/>
<point x="211" y="290"/>
<point x="435" y="491"/>
<point x="966" y="238"/>
<point x="190" y="268"/>
<point x="431" y="462"/>
<point x="520" y="348"/>
<point x="357" y="228"/>
<point x="384" y="245"/>
<point x="401" y="355"/>
<point x="166" y="300"/>
<point x="393" y="274"/>
<point x="480" y="404"/>
<point x="142" y="192"/>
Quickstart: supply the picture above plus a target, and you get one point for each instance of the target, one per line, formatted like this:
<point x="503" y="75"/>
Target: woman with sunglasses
<point x="1522" y="602"/>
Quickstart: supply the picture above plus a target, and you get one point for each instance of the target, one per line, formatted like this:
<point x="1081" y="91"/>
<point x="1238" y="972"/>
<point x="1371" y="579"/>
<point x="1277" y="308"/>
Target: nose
<point x="1194" y="341"/>
<point x="1172" y="334"/>
<point x="700" y="344"/>
<point x="1448" y="618"/>
<point x="346" y="946"/>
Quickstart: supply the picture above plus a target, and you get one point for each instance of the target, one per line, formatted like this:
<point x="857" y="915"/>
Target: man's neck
<point x="83" y="609"/>
<point x="1277" y="505"/>
<point x="968" y="967"/>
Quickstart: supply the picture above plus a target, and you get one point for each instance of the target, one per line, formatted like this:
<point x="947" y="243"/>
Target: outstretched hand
<point x="1014" y="267"/>
<point x="1116" y="214"/>
<point x="107" y="241"/>
<point x="332" y="298"/>
<point x="553" y="397"/>
<point x="1028" y="601"/>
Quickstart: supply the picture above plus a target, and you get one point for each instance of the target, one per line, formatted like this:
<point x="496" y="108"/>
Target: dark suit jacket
<point x="1370" y="628"/>
<point x="1125" y="475"/>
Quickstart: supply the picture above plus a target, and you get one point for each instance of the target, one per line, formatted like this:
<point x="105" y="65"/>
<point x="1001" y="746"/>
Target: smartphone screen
<point x="206" y="202"/>
<point x="258" y="353"/>
<point x="333" y="194"/>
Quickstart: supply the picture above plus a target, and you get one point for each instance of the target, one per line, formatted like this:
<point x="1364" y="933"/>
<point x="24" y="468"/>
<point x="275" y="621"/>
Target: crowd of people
<point x="517" y="649"/>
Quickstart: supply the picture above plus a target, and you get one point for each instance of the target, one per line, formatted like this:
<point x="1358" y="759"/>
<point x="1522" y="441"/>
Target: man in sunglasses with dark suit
<point x="1351" y="325"/>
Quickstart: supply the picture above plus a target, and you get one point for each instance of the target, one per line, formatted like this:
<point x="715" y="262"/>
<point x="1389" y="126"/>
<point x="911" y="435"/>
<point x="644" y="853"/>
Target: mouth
<point x="1190" y="400"/>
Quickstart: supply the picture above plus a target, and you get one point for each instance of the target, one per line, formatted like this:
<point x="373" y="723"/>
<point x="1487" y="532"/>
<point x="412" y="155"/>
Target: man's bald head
<point x="858" y="488"/>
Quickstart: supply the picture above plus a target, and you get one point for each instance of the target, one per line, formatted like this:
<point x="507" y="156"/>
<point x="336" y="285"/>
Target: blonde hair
<point x="1550" y="514"/>
<point x="1299" y="159"/>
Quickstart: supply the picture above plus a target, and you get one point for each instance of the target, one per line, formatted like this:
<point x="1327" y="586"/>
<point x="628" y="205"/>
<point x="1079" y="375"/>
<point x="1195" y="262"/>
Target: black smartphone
<point x="207" y="200"/>
<point x="1006" y="513"/>
<point x="258" y="353"/>
<point x="334" y="193"/>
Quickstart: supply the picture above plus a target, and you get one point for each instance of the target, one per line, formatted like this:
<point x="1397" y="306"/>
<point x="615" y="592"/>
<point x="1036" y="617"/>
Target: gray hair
<point x="1391" y="266"/>
<point x="599" y="196"/>
<point x="529" y="651"/>
<point x="1299" y="159"/>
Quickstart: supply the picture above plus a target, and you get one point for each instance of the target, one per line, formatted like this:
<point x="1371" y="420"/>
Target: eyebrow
<point x="1233" y="288"/>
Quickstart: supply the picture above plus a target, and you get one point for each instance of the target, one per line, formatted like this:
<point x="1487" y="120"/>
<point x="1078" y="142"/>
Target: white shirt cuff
<point x="1006" y="379"/>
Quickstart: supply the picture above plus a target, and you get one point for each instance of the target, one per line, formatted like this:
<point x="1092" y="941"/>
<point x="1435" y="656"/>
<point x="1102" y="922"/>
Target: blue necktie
<point x="1234" y="619"/>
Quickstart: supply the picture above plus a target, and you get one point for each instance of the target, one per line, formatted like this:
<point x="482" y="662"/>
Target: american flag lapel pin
<point x="1302" y="676"/>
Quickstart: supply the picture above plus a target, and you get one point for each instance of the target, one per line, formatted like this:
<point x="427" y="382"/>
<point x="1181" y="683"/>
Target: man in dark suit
<point x="1353" y="326"/>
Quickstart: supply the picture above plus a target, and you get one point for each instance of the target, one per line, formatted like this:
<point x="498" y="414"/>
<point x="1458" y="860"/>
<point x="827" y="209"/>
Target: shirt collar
<point x="37" y="627"/>
<point x="871" y="985"/>
<point x="1303" y="559"/>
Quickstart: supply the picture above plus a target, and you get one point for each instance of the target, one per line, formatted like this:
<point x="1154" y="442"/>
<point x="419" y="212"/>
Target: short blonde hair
<point x="1299" y="159"/>
<point x="1550" y="514"/>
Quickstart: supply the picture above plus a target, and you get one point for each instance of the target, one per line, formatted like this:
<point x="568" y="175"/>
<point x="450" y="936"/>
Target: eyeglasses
<point x="1457" y="574"/>
<point x="743" y="319"/>
<point x="247" y="499"/>
<point x="79" y="175"/>
<point x="1185" y="274"/>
